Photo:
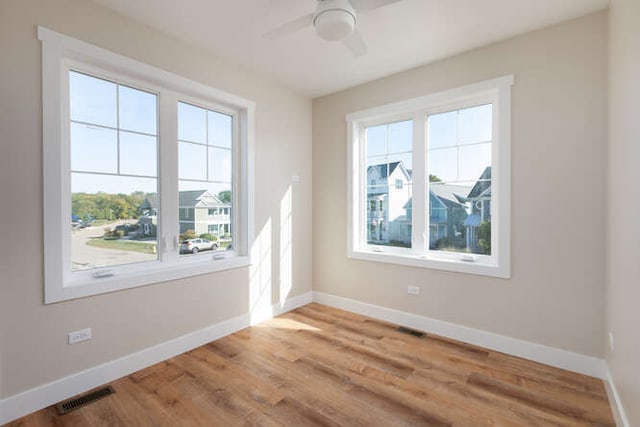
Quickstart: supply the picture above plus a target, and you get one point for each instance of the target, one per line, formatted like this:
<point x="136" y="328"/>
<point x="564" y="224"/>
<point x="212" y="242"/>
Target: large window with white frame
<point x="430" y="180"/>
<point x="147" y="175"/>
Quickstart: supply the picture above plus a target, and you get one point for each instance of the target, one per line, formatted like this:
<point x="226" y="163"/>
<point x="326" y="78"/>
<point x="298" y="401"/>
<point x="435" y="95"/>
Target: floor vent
<point x="409" y="331"/>
<point x="85" y="399"/>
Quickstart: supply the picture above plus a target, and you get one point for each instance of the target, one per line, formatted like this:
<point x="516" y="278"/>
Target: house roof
<point x="482" y="185"/>
<point x="383" y="170"/>
<point x="472" y="220"/>
<point x="451" y="195"/>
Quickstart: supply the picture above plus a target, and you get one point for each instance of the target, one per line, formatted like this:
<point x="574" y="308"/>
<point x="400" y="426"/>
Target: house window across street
<point x="126" y="203"/>
<point x="441" y="168"/>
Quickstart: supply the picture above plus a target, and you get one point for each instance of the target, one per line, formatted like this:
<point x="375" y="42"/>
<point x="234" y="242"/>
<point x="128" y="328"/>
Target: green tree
<point x="484" y="238"/>
<point x="225" y="196"/>
<point x="434" y="178"/>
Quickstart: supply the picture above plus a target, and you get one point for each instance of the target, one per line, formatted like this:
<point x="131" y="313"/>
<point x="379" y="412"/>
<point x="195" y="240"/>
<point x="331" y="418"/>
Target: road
<point x="84" y="256"/>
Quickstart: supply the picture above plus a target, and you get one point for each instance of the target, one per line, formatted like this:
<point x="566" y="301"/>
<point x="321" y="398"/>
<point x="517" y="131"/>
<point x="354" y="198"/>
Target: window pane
<point x="93" y="148"/>
<point x="376" y="140"/>
<point x="138" y="110"/>
<point x="473" y="160"/>
<point x="475" y="124"/>
<point x="442" y="129"/>
<point x="400" y="137"/>
<point x="113" y="220"/>
<point x="138" y="154"/>
<point x="219" y="164"/>
<point x="389" y="186"/>
<point x="205" y="217"/>
<point x="460" y="181"/>
<point x="443" y="164"/>
<point x="192" y="123"/>
<point x="192" y="161"/>
<point x="92" y="100"/>
<point x="220" y="129"/>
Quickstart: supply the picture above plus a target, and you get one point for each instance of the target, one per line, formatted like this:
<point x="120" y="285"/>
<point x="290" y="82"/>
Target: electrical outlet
<point x="79" y="336"/>
<point x="610" y="340"/>
<point x="413" y="290"/>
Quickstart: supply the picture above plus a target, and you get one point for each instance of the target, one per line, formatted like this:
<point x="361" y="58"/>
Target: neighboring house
<point x="198" y="210"/>
<point x="447" y="213"/>
<point x="149" y="219"/>
<point x="203" y="212"/>
<point x="388" y="192"/>
<point x="479" y="199"/>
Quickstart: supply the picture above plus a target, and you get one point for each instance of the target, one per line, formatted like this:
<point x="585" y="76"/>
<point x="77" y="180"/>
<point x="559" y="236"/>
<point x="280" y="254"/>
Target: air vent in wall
<point x="80" y="401"/>
<point x="409" y="331"/>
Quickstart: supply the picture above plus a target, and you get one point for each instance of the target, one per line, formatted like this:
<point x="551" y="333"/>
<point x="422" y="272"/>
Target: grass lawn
<point x="123" y="245"/>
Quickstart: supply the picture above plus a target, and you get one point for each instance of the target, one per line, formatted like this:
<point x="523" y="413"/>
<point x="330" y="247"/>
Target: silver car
<point x="196" y="245"/>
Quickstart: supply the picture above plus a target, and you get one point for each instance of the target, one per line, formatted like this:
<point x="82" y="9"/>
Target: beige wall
<point x="555" y="295"/>
<point x="623" y="266"/>
<point x="33" y="347"/>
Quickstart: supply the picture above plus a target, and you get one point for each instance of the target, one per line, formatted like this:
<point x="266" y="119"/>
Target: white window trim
<point x="496" y="265"/>
<point x="58" y="52"/>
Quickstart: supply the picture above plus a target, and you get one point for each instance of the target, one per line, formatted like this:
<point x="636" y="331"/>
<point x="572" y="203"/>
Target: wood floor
<point x="321" y="366"/>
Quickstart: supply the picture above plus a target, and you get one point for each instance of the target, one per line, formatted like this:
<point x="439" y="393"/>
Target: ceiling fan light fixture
<point x="334" y="24"/>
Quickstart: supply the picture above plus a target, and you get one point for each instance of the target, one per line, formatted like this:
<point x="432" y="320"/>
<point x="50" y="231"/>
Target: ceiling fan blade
<point x="290" y="27"/>
<point x="355" y="43"/>
<point x="363" y="5"/>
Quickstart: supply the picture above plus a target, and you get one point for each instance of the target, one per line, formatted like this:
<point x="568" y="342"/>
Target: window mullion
<point x="168" y="176"/>
<point x="419" y="218"/>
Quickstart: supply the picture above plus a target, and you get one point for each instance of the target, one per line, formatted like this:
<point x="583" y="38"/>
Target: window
<point x="430" y="180"/>
<point x="135" y="160"/>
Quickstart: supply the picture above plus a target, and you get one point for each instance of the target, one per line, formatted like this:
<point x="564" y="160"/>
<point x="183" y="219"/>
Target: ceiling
<point x="399" y="36"/>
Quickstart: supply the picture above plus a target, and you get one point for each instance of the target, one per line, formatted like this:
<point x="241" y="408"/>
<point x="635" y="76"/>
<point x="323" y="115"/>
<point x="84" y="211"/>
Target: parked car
<point x="196" y="245"/>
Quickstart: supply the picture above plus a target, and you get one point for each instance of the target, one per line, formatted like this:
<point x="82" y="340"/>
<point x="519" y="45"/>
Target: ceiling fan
<point x="334" y="20"/>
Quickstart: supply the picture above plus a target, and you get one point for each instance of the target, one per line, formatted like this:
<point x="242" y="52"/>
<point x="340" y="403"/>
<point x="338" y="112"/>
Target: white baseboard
<point x="539" y="353"/>
<point x="32" y="400"/>
<point x="614" y="398"/>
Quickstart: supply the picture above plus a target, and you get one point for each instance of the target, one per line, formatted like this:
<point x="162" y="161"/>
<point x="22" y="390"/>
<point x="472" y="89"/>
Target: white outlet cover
<point x="79" y="336"/>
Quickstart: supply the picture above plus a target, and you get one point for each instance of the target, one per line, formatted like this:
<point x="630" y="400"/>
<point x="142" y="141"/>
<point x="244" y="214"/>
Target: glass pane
<point x="219" y="164"/>
<point x="376" y="140"/>
<point x="220" y="129"/>
<point x="138" y="110"/>
<point x="138" y="154"/>
<point x="442" y="130"/>
<point x="92" y="100"/>
<point x="460" y="180"/>
<point x="113" y="220"/>
<point x="443" y="164"/>
<point x="475" y="124"/>
<point x="205" y="217"/>
<point x="389" y="213"/>
<point x="192" y="123"/>
<point x="400" y="137"/>
<point x="474" y="159"/>
<point x="192" y="161"/>
<point x="93" y="148"/>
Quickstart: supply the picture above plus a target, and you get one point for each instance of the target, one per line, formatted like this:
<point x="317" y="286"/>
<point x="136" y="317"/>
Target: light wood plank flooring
<point x="322" y="366"/>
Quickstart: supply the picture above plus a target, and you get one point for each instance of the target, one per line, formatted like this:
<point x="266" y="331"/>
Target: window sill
<point x="455" y="265"/>
<point x="142" y="274"/>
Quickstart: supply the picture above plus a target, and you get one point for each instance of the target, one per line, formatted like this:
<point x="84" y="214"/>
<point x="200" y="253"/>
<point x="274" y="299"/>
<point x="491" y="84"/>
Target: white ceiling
<point x="399" y="36"/>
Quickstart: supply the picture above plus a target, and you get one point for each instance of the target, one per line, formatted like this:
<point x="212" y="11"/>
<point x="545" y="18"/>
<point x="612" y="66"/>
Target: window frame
<point x="62" y="53"/>
<point x="495" y="91"/>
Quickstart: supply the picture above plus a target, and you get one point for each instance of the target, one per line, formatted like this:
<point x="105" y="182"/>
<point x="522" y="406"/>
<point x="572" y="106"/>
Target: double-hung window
<point x="429" y="180"/>
<point x="147" y="175"/>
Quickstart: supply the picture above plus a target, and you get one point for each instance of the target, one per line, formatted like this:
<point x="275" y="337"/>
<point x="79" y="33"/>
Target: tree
<point x="225" y="196"/>
<point x="434" y="178"/>
<point x="484" y="238"/>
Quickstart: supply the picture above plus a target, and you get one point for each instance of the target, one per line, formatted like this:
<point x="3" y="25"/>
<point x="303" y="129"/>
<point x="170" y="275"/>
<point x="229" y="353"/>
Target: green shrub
<point x="208" y="236"/>
<point x="189" y="234"/>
